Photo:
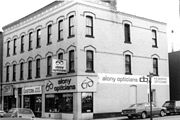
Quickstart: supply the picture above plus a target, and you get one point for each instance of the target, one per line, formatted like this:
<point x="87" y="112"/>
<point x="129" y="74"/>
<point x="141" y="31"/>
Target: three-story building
<point x="107" y="54"/>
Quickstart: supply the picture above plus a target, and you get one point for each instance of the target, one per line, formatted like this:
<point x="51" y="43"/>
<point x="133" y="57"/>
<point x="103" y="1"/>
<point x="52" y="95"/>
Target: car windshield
<point x="168" y="104"/>
<point x="137" y="105"/>
<point x="25" y="111"/>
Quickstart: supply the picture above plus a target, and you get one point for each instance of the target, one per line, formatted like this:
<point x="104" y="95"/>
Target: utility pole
<point x="150" y="94"/>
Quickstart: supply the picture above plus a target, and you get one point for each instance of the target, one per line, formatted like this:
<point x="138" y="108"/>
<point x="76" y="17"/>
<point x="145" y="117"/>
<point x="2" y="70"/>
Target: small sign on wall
<point x="59" y="66"/>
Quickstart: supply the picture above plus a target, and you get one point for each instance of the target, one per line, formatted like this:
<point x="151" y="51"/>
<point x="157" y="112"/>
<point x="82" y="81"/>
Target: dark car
<point x="172" y="106"/>
<point x="20" y="113"/>
<point x="142" y="110"/>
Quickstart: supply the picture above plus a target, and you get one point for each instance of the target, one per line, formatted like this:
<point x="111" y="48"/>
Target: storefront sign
<point x="32" y="90"/>
<point x="7" y="90"/>
<point x="131" y="79"/>
<point x="59" y="66"/>
<point x="60" y="85"/>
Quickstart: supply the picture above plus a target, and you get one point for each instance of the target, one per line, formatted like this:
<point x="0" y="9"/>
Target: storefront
<point x="9" y="97"/>
<point x="33" y="99"/>
<point x="68" y="98"/>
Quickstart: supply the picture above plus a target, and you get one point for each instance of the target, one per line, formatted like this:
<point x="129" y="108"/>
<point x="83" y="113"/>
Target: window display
<point x="56" y="103"/>
<point x="87" y="102"/>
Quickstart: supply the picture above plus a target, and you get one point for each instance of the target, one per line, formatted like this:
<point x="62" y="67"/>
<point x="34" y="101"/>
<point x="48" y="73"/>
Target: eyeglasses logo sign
<point x="87" y="83"/>
<point x="143" y="79"/>
<point x="49" y="86"/>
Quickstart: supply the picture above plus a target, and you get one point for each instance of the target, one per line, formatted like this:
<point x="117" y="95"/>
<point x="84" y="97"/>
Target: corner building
<point x="108" y="53"/>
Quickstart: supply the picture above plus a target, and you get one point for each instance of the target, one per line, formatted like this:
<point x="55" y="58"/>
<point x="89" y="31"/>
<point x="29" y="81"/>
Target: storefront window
<point x="87" y="102"/>
<point x="59" y="103"/>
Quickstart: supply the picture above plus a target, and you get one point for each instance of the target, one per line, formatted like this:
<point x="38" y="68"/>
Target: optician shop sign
<point x="60" y="85"/>
<point x="32" y="90"/>
<point x="131" y="79"/>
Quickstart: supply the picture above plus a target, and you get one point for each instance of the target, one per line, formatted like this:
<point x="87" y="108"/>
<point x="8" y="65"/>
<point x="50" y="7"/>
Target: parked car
<point x="142" y="110"/>
<point x="2" y="112"/>
<point x="172" y="107"/>
<point x="20" y="113"/>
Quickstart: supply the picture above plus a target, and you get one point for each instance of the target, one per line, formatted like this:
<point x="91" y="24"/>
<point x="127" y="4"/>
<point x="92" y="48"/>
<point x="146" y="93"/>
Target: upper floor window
<point x="71" y="61"/>
<point x="89" y="61"/>
<point x="14" y="50"/>
<point x="60" y="30"/>
<point x="21" y="71"/>
<point x="7" y="73"/>
<point x="89" y="26"/>
<point x="30" y="40"/>
<point x="60" y="56"/>
<point x="127" y="33"/>
<point x="38" y="44"/>
<point x="22" y="43"/>
<point x="154" y="38"/>
<point x="71" y="26"/>
<point x="37" y="68"/>
<point x="49" y="66"/>
<point x="30" y="69"/>
<point x="8" y="48"/>
<point x="155" y="66"/>
<point x="14" y="72"/>
<point x="127" y="64"/>
<point x="49" y="34"/>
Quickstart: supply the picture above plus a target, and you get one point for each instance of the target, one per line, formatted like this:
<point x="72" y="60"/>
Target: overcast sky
<point x="160" y="10"/>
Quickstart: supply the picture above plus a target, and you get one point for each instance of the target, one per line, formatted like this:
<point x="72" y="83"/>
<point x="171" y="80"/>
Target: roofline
<point x="52" y="4"/>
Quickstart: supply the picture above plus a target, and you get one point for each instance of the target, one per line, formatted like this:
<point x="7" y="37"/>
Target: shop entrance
<point x="34" y="102"/>
<point x="9" y="102"/>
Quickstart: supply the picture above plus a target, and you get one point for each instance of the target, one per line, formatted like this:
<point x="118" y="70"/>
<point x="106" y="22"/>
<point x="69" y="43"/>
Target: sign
<point x="7" y="90"/>
<point x="60" y="85"/>
<point x="131" y="79"/>
<point x="32" y="90"/>
<point x="59" y="66"/>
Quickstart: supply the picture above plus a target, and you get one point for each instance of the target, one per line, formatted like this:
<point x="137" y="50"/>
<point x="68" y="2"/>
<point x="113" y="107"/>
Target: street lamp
<point x="150" y="94"/>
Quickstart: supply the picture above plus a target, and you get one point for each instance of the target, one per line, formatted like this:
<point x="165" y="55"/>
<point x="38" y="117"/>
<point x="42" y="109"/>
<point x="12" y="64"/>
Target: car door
<point x="155" y="109"/>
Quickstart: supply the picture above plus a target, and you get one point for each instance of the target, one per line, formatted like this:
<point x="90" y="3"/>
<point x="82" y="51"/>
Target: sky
<point x="161" y="10"/>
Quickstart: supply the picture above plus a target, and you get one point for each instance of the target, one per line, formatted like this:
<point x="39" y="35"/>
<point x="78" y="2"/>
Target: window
<point x="87" y="102"/>
<point x="71" y="61"/>
<point x="14" y="72"/>
<point x="56" y="103"/>
<point x="71" y="26"/>
<point x="89" y="26"/>
<point x="154" y="38"/>
<point x="60" y="30"/>
<point x="37" y="68"/>
<point x="60" y="56"/>
<point x="127" y="64"/>
<point x="21" y="71"/>
<point x="155" y="66"/>
<point x="7" y="73"/>
<point x="49" y="34"/>
<point x="38" y="45"/>
<point x="8" y="48"/>
<point x="30" y="69"/>
<point x="89" y="61"/>
<point x="127" y="33"/>
<point x="30" y="40"/>
<point x="22" y="43"/>
<point x="14" y="50"/>
<point x="49" y="66"/>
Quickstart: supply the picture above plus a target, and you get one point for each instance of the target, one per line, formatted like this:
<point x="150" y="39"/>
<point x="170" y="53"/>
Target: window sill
<point x="128" y="73"/>
<point x="14" y="53"/>
<point x="22" y="52"/>
<point x="89" y="36"/>
<point x="71" y="36"/>
<point x="127" y="42"/>
<point x="8" y="56"/>
<point x="49" y="75"/>
<point x="29" y="78"/>
<point x="38" y="77"/>
<point x="49" y="43"/>
<point x="38" y="47"/>
<point x="60" y="40"/>
<point x="90" y="71"/>
<point x="30" y="49"/>
<point x="21" y="79"/>
<point x="154" y="46"/>
<point x="72" y="71"/>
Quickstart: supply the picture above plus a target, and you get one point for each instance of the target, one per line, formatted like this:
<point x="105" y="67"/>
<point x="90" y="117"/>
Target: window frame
<point x="38" y="37"/>
<point x="60" y="30"/>
<point x="29" y="69"/>
<point x="7" y="73"/>
<point x="21" y="70"/>
<point x="71" y="61"/>
<point x="22" y="43"/>
<point x="14" y="72"/>
<point x="127" y="33"/>
<point x="154" y="38"/>
<point x="90" y="61"/>
<point x="8" y="48"/>
<point x="71" y="26"/>
<point x="14" y="46"/>
<point x="49" y="66"/>
<point x="38" y="68"/>
<point x="49" y="34"/>
<point x="91" y="27"/>
<point x="30" y="40"/>
<point x="128" y="65"/>
<point x="155" y="67"/>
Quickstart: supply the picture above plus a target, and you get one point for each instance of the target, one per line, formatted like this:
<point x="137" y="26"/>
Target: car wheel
<point x="143" y="115"/>
<point x="130" y="117"/>
<point x="162" y="113"/>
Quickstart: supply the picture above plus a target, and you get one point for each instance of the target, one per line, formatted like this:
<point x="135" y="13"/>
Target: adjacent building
<point x="1" y="66"/>
<point x="103" y="57"/>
